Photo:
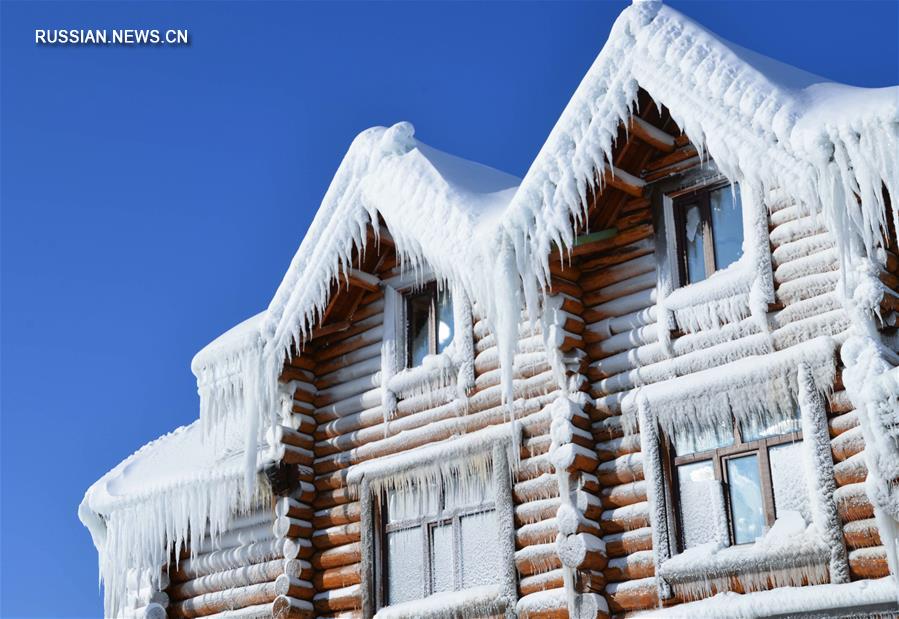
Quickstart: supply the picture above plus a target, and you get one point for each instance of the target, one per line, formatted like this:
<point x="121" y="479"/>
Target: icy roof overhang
<point x="766" y="125"/>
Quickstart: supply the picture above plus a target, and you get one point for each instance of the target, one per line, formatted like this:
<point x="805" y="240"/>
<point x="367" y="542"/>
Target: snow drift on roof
<point x="831" y="147"/>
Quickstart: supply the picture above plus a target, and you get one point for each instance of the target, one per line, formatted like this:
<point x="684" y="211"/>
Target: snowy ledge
<point x="873" y="596"/>
<point x="720" y="299"/>
<point x="484" y="601"/>
<point x="789" y="554"/>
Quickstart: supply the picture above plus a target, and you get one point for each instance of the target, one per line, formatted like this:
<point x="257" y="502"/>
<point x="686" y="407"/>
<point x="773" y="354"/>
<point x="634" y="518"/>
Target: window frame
<point x="426" y="522"/>
<point x="701" y="197"/>
<point x="432" y="291"/>
<point x="719" y="458"/>
<point x="465" y="448"/>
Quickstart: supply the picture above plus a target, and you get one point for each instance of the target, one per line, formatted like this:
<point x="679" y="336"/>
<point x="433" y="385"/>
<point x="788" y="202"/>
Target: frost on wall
<point x="757" y="391"/>
<point x="776" y="131"/>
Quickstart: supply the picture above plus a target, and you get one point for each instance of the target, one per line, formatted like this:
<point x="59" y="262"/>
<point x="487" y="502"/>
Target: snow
<point x="474" y="602"/>
<point x="784" y="136"/>
<point x="176" y="491"/>
<point x="808" y="601"/>
<point x="789" y="554"/>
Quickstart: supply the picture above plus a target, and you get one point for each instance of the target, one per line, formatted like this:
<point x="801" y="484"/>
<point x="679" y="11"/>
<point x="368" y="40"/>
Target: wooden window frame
<point x="426" y="523"/>
<point x="428" y="290"/>
<point x="719" y="458"/>
<point x="701" y="197"/>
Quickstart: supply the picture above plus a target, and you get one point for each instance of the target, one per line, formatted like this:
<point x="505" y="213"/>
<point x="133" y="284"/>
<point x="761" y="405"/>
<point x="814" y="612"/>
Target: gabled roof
<point x="767" y="126"/>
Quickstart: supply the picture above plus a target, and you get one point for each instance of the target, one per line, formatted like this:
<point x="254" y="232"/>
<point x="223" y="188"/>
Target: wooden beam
<point x="624" y="181"/>
<point x="651" y="135"/>
<point x="364" y="280"/>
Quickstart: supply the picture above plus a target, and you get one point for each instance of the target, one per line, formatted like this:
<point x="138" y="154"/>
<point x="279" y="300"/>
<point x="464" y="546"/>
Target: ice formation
<point x="783" y="135"/>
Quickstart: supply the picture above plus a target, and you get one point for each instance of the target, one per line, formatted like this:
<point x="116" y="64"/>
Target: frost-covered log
<point x="868" y="563"/>
<point x="285" y="607"/>
<point x="552" y="579"/>
<point x="861" y="534"/>
<point x="338" y="577"/>
<point x="338" y="557"/>
<point x="219" y="601"/>
<point x="631" y="567"/>
<point x="336" y="535"/>
<point x="346" y="598"/>
<point x="627" y="542"/>
<point x="632" y="595"/>
<point x="853" y="502"/>
<point x="241" y="576"/>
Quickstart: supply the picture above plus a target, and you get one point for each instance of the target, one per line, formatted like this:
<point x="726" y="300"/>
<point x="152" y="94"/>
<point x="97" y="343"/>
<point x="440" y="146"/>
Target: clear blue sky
<point x="152" y="197"/>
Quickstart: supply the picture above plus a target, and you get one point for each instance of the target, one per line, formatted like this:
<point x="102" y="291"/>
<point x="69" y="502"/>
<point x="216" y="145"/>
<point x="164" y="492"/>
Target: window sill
<point x="435" y="372"/>
<point x="487" y="600"/>
<point x="773" y="560"/>
<point x="720" y="299"/>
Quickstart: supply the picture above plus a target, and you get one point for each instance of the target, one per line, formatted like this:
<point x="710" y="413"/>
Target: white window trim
<point x="740" y="560"/>
<point x="464" y="450"/>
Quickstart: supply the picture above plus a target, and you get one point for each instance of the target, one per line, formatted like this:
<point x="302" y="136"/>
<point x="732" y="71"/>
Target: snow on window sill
<point x="720" y="299"/>
<point x="786" y="555"/>
<point x="486" y="600"/>
<point x="435" y="372"/>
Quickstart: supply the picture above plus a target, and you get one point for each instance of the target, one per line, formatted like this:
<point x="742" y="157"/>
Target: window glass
<point x="693" y="237"/>
<point x="419" y="333"/>
<point x="700" y="523"/>
<point x="442" y="558"/>
<point x="480" y="549"/>
<point x="788" y="479"/>
<point x="727" y="225"/>
<point x="745" y="490"/>
<point x="404" y="565"/>
<point x="445" y="324"/>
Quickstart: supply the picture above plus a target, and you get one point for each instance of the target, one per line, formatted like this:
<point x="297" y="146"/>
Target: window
<point x="429" y="323"/>
<point x="709" y="231"/>
<point x="731" y="484"/>
<point x="442" y="539"/>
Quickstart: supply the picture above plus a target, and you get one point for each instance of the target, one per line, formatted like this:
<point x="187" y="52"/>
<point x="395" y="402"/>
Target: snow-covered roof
<point x="766" y="125"/>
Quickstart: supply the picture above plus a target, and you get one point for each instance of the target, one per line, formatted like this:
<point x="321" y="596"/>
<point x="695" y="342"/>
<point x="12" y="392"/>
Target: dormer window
<point x="709" y="231"/>
<point x="429" y="323"/>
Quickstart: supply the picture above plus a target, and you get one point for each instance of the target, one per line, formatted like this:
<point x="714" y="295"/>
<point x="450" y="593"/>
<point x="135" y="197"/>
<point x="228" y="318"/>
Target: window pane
<point x="446" y="326"/>
<point x="418" y="310"/>
<point x="727" y="225"/>
<point x="412" y="502"/>
<point x="689" y="442"/>
<point x="753" y="432"/>
<point x="469" y="491"/>
<point x="480" y="550"/>
<point x="788" y="477"/>
<point x="404" y="565"/>
<point x="701" y="512"/>
<point x="745" y="489"/>
<point x="693" y="239"/>
<point x="442" y="558"/>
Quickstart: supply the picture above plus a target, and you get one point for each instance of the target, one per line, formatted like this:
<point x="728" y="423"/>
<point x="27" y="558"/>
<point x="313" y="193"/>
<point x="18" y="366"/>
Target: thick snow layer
<point x="826" y="147"/>
<point x="789" y="554"/>
<point x="487" y="600"/>
<point x="787" y="601"/>
<point x="174" y="492"/>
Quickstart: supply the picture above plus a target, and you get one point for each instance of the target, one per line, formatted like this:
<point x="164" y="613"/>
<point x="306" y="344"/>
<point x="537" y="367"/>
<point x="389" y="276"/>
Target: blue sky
<point x="153" y="197"/>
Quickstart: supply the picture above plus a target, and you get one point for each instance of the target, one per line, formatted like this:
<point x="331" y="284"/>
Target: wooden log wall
<point x="618" y="277"/>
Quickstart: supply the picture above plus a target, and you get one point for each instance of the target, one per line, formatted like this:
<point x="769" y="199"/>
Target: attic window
<point x="731" y="484"/>
<point x="429" y="323"/>
<point x="709" y="231"/>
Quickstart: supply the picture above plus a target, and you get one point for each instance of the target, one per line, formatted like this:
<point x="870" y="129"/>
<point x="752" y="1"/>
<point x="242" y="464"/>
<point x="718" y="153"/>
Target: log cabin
<point x="657" y="375"/>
